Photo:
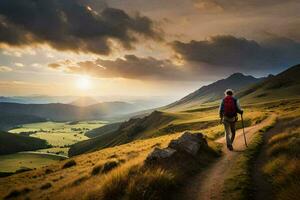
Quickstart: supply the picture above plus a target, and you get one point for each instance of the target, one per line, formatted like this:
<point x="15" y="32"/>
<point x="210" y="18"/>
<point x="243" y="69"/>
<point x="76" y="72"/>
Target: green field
<point x="13" y="162"/>
<point x="59" y="134"/>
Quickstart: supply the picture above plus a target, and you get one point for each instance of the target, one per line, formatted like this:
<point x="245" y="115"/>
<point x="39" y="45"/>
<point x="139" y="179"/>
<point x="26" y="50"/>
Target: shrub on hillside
<point x="46" y="186"/>
<point x="69" y="163"/>
<point x="17" y="193"/>
<point x="108" y="166"/>
<point x="96" y="170"/>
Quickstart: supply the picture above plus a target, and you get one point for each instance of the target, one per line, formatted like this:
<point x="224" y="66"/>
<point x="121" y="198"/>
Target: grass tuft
<point x="137" y="182"/>
<point x="151" y="184"/>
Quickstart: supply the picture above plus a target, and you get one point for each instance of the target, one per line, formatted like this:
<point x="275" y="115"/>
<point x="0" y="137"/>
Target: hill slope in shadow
<point x="12" y="143"/>
<point x="285" y="85"/>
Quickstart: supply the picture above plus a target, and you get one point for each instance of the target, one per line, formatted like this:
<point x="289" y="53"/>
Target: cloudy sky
<point x="141" y="47"/>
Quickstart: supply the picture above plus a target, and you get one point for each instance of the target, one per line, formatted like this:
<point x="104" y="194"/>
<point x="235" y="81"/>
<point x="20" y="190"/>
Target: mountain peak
<point x="215" y="91"/>
<point x="238" y="75"/>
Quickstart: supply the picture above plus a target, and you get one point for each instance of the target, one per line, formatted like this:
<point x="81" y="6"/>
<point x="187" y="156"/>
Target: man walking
<point x="228" y="113"/>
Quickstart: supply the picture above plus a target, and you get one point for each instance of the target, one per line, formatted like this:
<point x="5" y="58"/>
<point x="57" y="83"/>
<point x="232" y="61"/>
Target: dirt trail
<point x="209" y="184"/>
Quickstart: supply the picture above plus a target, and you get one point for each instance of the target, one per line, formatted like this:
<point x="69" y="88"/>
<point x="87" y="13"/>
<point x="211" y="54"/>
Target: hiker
<point x="228" y="113"/>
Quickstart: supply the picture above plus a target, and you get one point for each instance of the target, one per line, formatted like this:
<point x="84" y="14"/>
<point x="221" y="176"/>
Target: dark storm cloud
<point x="229" y="52"/>
<point x="71" y="25"/>
<point x="131" y="67"/>
<point x="236" y="4"/>
<point x="217" y="55"/>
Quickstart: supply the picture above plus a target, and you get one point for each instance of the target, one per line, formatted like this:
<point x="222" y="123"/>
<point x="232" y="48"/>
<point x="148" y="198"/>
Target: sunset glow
<point x="83" y="83"/>
<point x="169" y="48"/>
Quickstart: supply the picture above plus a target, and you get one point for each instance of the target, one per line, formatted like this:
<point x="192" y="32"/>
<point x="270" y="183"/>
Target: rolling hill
<point x="66" y="112"/>
<point x="19" y="143"/>
<point x="103" y="130"/>
<point x="37" y="99"/>
<point x="8" y="121"/>
<point x="214" y="91"/>
<point x="282" y="86"/>
<point x="128" y="131"/>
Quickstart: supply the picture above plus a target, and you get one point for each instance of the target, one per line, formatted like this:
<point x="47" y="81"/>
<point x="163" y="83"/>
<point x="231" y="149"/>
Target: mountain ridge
<point x="215" y="90"/>
<point x="284" y="85"/>
<point x="67" y="112"/>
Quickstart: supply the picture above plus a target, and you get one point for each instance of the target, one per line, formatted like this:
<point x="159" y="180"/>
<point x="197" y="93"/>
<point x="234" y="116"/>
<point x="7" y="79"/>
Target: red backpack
<point x="230" y="106"/>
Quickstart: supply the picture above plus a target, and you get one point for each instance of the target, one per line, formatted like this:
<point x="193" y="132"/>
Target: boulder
<point x="189" y="142"/>
<point x="159" y="154"/>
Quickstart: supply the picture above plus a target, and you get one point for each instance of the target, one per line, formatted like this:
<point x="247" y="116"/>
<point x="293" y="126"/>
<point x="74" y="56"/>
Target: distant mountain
<point x="114" y="108"/>
<point x="127" y="131"/>
<point x="37" y="99"/>
<point x="19" y="143"/>
<point x="285" y="85"/>
<point x="55" y="112"/>
<point x="84" y="101"/>
<point x="215" y="90"/>
<point x="66" y="112"/>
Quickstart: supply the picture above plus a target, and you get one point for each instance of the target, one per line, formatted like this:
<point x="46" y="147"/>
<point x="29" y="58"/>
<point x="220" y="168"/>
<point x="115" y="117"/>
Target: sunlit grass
<point x="79" y="179"/>
<point x="283" y="166"/>
<point x="13" y="162"/>
<point x="128" y="177"/>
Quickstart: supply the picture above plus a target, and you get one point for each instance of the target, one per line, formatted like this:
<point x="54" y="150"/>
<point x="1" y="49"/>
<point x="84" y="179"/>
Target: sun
<point x="83" y="82"/>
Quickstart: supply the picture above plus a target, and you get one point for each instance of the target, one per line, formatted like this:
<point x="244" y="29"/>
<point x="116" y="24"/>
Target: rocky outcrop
<point x="188" y="143"/>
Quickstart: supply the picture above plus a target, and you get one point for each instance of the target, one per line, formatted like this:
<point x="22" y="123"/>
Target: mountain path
<point x="208" y="184"/>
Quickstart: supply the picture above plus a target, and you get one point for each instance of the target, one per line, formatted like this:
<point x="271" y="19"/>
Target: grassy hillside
<point x="161" y="123"/>
<point x="124" y="174"/>
<point x="84" y="177"/>
<point x="126" y="132"/>
<point x="106" y="129"/>
<point x="12" y="143"/>
<point x="282" y="167"/>
<point x="285" y="85"/>
<point x="26" y="161"/>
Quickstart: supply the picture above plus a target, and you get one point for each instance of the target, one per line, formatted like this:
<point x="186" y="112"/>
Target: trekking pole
<point x="244" y="130"/>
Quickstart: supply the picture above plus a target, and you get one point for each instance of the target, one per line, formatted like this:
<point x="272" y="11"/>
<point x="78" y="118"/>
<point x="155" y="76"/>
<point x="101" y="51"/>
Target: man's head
<point x="229" y="92"/>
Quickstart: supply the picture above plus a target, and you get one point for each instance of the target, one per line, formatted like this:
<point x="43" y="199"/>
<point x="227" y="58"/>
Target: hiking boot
<point x="229" y="147"/>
